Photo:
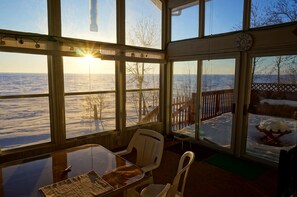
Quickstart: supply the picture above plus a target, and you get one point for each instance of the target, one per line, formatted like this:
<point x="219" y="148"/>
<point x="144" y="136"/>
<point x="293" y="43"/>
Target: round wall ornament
<point x="244" y="41"/>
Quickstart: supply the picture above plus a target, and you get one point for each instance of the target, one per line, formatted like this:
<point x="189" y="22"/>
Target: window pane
<point x="88" y="74"/>
<point x="218" y="74"/>
<point x="184" y="22"/>
<point x="21" y="83"/>
<point x="271" y="12"/>
<point x="144" y="23"/>
<point x="27" y="16"/>
<point x="142" y="105"/>
<point x="90" y="20"/>
<point x="90" y="113"/>
<point x="24" y="121"/>
<point x="217" y="98"/>
<point x="184" y="91"/>
<point x="272" y="118"/>
<point x="142" y="75"/>
<point x="223" y="16"/>
<point x="23" y="74"/>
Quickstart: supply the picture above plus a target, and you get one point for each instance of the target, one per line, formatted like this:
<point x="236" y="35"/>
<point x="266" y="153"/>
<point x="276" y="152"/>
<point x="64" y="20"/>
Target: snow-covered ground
<point x="218" y="131"/>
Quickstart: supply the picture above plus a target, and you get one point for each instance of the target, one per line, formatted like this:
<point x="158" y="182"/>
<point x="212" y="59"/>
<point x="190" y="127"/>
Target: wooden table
<point x="272" y="138"/>
<point x="25" y="177"/>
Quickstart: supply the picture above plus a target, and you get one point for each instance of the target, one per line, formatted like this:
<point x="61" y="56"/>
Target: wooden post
<point x="217" y="101"/>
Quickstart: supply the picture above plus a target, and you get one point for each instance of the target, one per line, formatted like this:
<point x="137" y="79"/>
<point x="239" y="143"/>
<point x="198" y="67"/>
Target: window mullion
<point x="57" y="102"/>
<point x="246" y="14"/>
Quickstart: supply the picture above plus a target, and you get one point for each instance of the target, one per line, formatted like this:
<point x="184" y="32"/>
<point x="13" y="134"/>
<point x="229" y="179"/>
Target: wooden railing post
<point x="217" y="104"/>
<point x="191" y="113"/>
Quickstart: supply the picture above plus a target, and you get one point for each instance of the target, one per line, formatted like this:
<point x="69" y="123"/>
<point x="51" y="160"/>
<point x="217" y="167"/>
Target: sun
<point x="89" y="57"/>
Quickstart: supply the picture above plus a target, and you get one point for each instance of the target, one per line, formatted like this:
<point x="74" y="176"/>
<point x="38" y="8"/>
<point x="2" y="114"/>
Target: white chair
<point x="153" y="193"/>
<point x="183" y="169"/>
<point x="149" y="146"/>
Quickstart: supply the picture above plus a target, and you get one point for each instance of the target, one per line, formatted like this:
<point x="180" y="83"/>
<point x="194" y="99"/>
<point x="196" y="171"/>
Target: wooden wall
<point x="271" y="38"/>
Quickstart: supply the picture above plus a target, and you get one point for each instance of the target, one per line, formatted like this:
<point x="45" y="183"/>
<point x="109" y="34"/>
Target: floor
<point x="206" y="180"/>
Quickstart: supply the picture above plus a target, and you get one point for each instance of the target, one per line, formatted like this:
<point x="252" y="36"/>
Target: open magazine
<point x="88" y="184"/>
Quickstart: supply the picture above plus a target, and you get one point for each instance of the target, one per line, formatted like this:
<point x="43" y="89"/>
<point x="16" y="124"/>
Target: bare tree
<point x="94" y="106"/>
<point x="144" y="33"/>
<point x="283" y="64"/>
<point x="256" y="67"/>
<point x="137" y="71"/>
<point x="258" y="16"/>
<point x="292" y="69"/>
<point x="279" y="12"/>
<point x="283" y="11"/>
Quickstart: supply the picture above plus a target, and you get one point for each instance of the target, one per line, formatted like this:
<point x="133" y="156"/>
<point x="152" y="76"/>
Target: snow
<point x="274" y="125"/>
<point x="218" y="131"/>
<point x="290" y="103"/>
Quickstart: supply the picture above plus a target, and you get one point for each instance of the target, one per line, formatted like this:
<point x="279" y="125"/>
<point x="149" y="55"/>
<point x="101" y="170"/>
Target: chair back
<point x="183" y="170"/>
<point x="164" y="192"/>
<point x="149" y="145"/>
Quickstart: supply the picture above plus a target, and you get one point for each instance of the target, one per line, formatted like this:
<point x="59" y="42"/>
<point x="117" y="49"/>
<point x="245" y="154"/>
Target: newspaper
<point x="87" y="185"/>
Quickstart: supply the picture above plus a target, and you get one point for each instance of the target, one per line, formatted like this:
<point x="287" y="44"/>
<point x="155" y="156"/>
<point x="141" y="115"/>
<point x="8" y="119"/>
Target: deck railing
<point x="272" y="91"/>
<point x="182" y="112"/>
<point x="214" y="103"/>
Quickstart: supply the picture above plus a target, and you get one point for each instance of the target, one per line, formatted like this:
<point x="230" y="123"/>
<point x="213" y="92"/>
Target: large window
<point x="24" y="104"/>
<point x="89" y="20"/>
<point x="223" y="16"/>
<point x="142" y="98"/>
<point x="217" y="98"/>
<point x="144" y="23"/>
<point x="184" y="92"/>
<point x="272" y="118"/>
<point x="184" y="22"/>
<point x="271" y="12"/>
<point x="27" y="16"/>
<point x="89" y="95"/>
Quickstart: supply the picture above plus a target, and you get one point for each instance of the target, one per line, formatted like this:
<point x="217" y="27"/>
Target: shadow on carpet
<point x="243" y="168"/>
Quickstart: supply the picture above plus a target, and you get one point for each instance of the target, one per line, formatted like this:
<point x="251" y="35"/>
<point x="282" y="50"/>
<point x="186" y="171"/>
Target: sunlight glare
<point x="89" y="57"/>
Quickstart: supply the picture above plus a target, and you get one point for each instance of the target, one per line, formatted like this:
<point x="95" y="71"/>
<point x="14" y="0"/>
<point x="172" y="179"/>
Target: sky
<point x="23" y="15"/>
<point x="28" y="63"/>
<point x="31" y="16"/>
<point x="75" y="24"/>
<point x="76" y="20"/>
<point x="22" y="63"/>
<point x="185" y="67"/>
<point x="78" y="65"/>
<point x="222" y="15"/>
<point x="210" y="67"/>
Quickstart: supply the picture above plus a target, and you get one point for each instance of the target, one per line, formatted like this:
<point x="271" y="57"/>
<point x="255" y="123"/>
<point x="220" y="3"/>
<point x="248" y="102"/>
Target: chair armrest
<point x="149" y="167"/>
<point x="122" y="152"/>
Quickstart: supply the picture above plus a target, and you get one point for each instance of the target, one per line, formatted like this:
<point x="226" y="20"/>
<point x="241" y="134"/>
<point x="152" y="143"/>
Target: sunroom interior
<point x="223" y="74"/>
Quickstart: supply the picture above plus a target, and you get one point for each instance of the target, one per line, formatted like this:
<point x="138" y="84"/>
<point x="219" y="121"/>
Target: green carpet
<point x="246" y="169"/>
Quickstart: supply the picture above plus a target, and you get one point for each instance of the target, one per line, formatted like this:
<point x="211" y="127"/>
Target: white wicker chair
<point x="149" y="146"/>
